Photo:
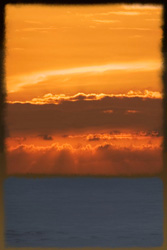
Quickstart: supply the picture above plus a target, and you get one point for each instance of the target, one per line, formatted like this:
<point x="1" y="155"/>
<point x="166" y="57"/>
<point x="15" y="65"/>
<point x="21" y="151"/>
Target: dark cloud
<point x="93" y="138"/>
<point x="46" y="137"/>
<point x="71" y="116"/>
<point x="104" y="147"/>
<point x="153" y="133"/>
<point x="115" y="132"/>
<point x="65" y="136"/>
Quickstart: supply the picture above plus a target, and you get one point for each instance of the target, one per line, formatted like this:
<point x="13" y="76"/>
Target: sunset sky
<point x="84" y="89"/>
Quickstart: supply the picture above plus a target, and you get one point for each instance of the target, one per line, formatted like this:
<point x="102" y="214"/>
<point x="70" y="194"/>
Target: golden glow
<point x="44" y="76"/>
<point x="90" y="49"/>
<point x="84" y="89"/>
<point x="57" y="99"/>
<point x="99" y="160"/>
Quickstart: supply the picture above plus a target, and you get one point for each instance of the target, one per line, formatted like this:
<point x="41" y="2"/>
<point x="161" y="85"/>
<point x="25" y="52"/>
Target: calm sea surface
<point x="80" y="212"/>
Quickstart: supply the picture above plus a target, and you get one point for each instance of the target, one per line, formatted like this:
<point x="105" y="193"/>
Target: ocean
<point x="83" y="212"/>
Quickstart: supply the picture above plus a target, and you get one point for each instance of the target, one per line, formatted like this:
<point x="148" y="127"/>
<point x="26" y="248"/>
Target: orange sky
<point x="90" y="49"/>
<point x="84" y="89"/>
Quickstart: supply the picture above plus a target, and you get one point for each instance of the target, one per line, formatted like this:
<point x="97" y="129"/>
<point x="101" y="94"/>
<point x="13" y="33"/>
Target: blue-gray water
<point x="79" y="212"/>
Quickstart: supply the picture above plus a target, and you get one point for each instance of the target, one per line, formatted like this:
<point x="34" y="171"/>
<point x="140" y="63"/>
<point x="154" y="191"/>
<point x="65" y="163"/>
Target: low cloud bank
<point x="104" y="159"/>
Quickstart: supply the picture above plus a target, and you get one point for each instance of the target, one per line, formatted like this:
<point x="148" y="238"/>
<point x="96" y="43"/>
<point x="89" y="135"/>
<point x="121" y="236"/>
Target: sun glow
<point x="84" y="89"/>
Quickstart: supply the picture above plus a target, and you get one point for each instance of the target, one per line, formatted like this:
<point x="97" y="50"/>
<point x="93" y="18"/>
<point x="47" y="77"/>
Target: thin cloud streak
<point x="142" y="7"/>
<point x="42" y="76"/>
<point x="130" y="13"/>
<point x="126" y="13"/>
<point x="130" y="28"/>
<point x="106" y="21"/>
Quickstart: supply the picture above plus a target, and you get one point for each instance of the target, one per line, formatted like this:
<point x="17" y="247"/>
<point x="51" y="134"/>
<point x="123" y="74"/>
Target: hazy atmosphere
<point x="84" y="89"/>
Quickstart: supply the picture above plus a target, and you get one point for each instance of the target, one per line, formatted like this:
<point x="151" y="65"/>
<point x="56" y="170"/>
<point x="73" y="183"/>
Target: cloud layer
<point x="85" y="112"/>
<point x="57" y="99"/>
<point x="104" y="159"/>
